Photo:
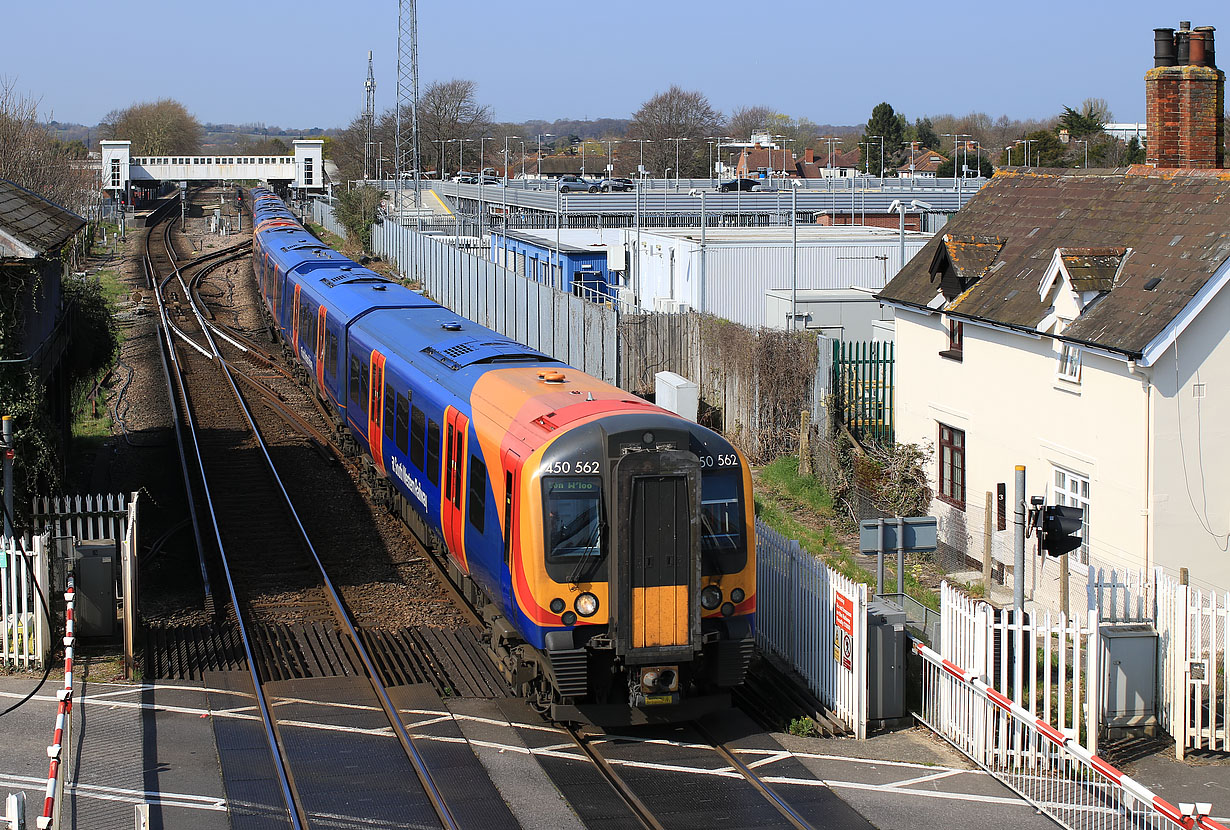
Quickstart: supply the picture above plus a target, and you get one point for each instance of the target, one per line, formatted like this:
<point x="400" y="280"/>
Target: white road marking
<point x="109" y="793"/>
<point x="935" y="776"/>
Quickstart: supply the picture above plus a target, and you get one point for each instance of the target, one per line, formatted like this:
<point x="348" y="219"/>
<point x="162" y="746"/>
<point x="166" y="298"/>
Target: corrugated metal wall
<point x="574" y="330"/>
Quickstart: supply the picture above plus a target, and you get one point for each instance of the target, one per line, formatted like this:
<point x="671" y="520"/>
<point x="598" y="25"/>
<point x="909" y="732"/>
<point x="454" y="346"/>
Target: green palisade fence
<point x="863" y="385"/>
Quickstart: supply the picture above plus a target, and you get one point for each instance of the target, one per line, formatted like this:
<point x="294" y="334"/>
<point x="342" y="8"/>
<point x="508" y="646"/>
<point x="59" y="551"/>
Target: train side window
<point x="331" y="352"/>
<point x="390" y="407"/>
<point x="403" y="423"/>
<point x="365" y="386"/>
<point x="356" y="393"/>
<point x="478" y="493"/>
<point x="433" y="452"/>
<point x="508" y="522"/>
<point x="418" y="425"/>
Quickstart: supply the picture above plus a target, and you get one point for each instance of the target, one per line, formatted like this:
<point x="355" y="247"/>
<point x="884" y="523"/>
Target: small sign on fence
<point x="843" y="632"/>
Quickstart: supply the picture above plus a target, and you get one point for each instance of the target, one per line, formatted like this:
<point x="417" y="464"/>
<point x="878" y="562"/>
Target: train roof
<point x="445" y="346"/>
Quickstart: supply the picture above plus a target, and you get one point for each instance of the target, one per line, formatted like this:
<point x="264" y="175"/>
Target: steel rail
<point x="394" y="717"/>
<point x="293" y="808"/>
<point x="643" y="814"/>
<point x="755" y="780"/>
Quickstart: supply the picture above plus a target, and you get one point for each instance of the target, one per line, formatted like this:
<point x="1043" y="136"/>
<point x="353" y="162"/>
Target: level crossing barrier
<point x="60" y="751"/>
<point x="816" y="620"/>
<point x="1072" y="785"/>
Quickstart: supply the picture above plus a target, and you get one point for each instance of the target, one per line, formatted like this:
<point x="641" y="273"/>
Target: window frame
<point x="956" y="341"/>
<point x="1061" y="494"/>
<point x="957" y="461"/>
<point x="1070" y="358"/>
<point x="476" y="501"/>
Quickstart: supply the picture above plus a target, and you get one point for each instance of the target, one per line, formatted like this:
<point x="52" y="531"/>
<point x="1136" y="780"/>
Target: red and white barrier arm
<point x="1133" y="788"/>
<point x="64" y="712"/>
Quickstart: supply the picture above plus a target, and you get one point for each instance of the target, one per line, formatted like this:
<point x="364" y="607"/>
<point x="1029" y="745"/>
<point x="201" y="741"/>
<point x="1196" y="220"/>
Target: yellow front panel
<point x="660" y="616"/>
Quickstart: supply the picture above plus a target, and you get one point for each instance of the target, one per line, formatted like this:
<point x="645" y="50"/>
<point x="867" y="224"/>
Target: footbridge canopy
<point x="303" y="170"/>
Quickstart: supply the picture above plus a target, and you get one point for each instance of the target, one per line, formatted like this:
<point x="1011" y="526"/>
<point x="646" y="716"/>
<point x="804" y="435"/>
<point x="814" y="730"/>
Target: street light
<point x="610" y="157"/>
<point x="641" y="167"/>
<point x="913" y="153"/>
<point x="711" y="139"/>
<point x="900" y="207"/>
<point x="677" y="142"/>
<point x="1084" y="141"/>
<point x="504" y="192"/>
<point x="538" y="164"/>
<point x="482" y="204"/>
<point x="1026" y="142"/>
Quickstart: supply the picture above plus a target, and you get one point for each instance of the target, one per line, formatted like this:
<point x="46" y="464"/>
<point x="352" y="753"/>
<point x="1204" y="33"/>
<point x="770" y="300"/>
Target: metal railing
<point x="1075" y="787"/>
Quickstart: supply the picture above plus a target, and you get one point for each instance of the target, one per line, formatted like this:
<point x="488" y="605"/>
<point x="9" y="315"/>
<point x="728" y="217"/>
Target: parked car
<point x="616" y="185"/>
<point x="738" y="184"/>
<point x="490" y="180"/>
<point x="575" y="184"/>
<point x="466" y="178"/>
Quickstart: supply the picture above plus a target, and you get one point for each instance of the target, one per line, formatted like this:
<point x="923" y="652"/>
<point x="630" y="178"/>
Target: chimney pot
<point x="1163" y="47"/>
<point x="1183" y="47"/>
<point x="1196" y="49"/>
<point x="1209" y="59"/>
<point x="1184" y="25"/>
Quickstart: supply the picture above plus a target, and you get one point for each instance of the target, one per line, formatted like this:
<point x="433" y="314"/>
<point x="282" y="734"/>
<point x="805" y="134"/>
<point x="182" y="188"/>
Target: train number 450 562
<point x="585" y="468"/>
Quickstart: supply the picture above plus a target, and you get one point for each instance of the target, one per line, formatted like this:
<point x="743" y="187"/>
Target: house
<point x="838" y="164"/>
<point x="923" y="165"/>
<point x="1075" y="322"/>
<point x="763" y="161"/>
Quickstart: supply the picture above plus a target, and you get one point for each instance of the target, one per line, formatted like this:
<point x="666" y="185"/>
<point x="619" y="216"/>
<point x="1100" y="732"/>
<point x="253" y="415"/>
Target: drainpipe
<point x="1143" y="373"/>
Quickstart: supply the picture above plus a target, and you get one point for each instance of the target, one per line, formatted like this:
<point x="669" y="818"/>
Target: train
<point x="609" y="543"/>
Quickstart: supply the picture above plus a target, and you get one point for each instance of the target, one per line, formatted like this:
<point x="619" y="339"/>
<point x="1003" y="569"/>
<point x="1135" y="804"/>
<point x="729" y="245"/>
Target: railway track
<point x="271" y="571"/>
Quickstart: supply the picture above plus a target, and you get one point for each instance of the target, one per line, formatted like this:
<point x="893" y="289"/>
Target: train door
<point x="294" y="322"/>
<point x="660" y="549"/>
<point x="320" y="347"/>
<point x="511" y="508"/>
<point x="375" y="410"/>
<point x="452" y="505"/>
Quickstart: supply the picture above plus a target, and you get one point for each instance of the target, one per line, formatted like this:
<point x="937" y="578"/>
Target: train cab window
<point x="721" y="516"/>
<point x="402" y="423"/>
<point x="573" y="515"/>
<point x="356" y="391"/>
<point x="418" y="428"/>
<point x="390" y="411"/>
<point x="433" y="452"/>
<point x="330" y="352"/>
<point x="478" y="493"/>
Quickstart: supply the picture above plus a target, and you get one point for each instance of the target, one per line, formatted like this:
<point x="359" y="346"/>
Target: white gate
<point x="83" y="517"/>
<point x="26" y="637"/>
<point x="1044" y="663"/>
<point x="815" y="619"/>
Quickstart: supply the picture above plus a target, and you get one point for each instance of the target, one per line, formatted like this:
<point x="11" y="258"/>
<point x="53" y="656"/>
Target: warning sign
<point x="843" y="632"/>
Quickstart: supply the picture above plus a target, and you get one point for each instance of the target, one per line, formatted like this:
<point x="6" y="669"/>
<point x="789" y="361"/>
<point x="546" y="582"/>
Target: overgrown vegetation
<point x="801" y="507"/>
<point x="356" y="209"/>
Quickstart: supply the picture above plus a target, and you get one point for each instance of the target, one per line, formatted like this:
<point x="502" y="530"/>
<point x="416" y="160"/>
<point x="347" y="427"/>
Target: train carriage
<point x="609" y="542"/>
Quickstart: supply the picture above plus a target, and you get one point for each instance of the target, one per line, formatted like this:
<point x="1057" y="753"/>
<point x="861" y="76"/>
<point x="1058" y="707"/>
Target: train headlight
<point x="710" y="597"/>
<point x="728" y="608"/>
<point x="557" y="606"/>
<point x="569" y="618"/>
<point x="737" y="595"/>
<point x="586" y="605"/>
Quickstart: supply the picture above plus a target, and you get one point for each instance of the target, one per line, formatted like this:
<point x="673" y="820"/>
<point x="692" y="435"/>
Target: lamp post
<point x="711" y="139"/>
<point x="1084" y="141"/>
<point x="523" y="164"/>
<point x="913" y="153"/>
<point x="610" y="157"/>
<point x="641" y="166"/>
<point x="504" y="191"/>
<point x="482" y="204"/>
<point x="538" y="165"/>
<point x="1026" y="142"/>
<point x="677" y="142"/>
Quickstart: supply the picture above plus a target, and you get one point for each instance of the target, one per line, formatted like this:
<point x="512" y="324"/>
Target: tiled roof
<point x="848" y="159"/>
<point x="925" y="161"/>
<point x="1173" y="226"/>
<point x="31" y="226"/>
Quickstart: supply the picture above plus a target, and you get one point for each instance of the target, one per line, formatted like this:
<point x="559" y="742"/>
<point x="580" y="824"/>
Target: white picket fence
<point x="1044" y="663"/>
<point x="815" y="619"/>
<point x="26" y="639"/>
<point x="88" y="517"/>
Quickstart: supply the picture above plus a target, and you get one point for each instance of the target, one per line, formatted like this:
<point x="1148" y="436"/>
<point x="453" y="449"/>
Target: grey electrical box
<point x="94" y="568"/>
<point x="1129" y="674"/>
<point x="885" y="661"/>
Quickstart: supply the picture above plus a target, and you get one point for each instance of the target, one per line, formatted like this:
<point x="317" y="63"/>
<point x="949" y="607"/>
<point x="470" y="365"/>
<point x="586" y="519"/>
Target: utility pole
<point x="6" y="446"/>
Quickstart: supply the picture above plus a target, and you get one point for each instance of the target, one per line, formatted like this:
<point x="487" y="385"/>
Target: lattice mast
<point x="369" y="112"/>
<point x="408" y="96"/>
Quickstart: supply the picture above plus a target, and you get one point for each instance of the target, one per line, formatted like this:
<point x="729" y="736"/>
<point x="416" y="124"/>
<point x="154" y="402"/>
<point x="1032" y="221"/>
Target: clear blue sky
<point x="302" y="64"/>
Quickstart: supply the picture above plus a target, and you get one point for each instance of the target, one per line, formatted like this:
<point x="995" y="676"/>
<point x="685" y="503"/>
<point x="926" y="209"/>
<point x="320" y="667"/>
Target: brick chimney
<point x="809" y="156"/>
<point x="1185" y="100"/>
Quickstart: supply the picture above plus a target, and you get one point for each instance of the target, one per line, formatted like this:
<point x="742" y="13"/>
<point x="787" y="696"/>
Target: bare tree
<point x="676" y="114"/>
<point x="159" y="128"/>
<point x="31" y="157"/>
<point x="747" y="120"/>
<point x="450" y="110"/>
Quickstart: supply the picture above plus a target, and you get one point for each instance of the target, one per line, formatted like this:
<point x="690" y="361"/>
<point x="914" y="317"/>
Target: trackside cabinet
<point x="95" y="567"/>
<point x="885" y="661"/>
<point x="1129" y="675"/>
